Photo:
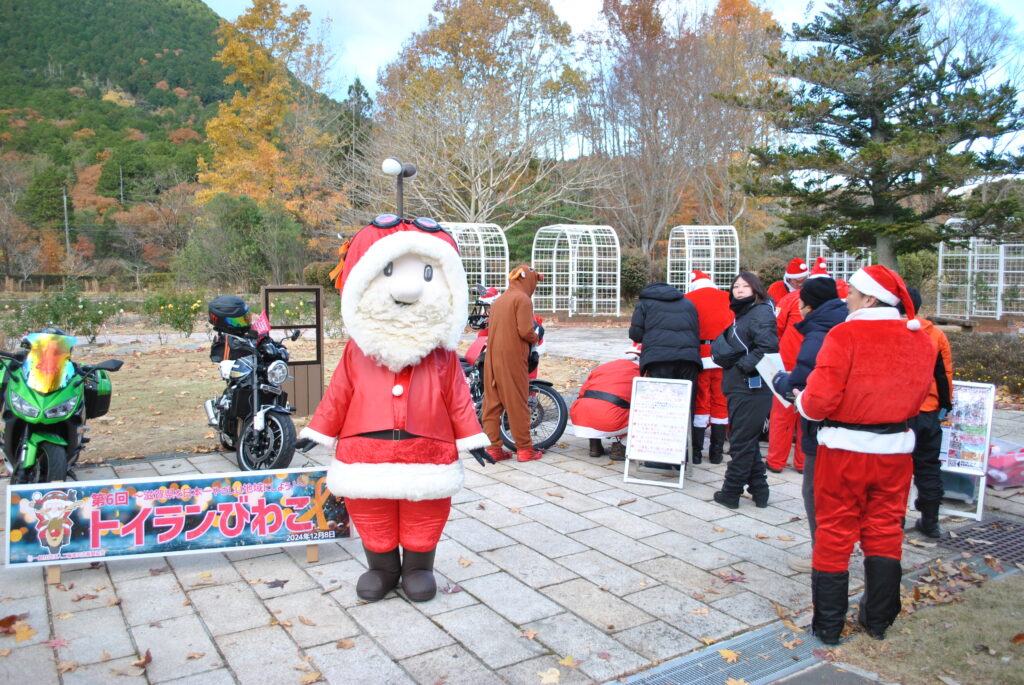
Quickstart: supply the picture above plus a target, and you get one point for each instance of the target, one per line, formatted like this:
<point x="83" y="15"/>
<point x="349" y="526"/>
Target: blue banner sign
<point x="61" y="523"/>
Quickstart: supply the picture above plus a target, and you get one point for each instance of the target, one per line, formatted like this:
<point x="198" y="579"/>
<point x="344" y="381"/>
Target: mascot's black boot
<point x="418" y="575"/>
<point x="829" y="596"/>
<point x="596" y="448"/>
<point x="697" y="438"/>
<point x="717" y="447"/>
<point x="382" y="576"/>
<point x="880" y="604"/>
<point x="928" y="524"/>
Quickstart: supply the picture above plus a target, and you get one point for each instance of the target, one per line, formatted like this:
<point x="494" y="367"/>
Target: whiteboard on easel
<point x="966" y="436"/>
<point x="659" y="424"/>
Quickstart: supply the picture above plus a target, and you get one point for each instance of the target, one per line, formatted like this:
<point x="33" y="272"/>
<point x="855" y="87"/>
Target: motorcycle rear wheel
<point x="51" y="465"/>
<point x="270" y="449"/>
<point x="548" y="417"/>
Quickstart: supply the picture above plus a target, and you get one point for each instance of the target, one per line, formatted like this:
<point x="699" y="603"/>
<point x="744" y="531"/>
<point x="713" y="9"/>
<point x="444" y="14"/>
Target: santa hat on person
<point x="820" y="269"/>
<point x="388" y="238"/>
<point x="797" y="268"/>
<point x="888" y="287"/>
<point x="699" y="279"/>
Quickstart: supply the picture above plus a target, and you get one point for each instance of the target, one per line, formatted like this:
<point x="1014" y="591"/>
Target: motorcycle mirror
<point x="109" y="365"/>
<point x="295" y="334"/>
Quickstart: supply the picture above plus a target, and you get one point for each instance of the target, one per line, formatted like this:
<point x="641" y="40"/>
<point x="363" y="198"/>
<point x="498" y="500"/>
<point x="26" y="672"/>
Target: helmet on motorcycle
<point x="229" y="314"/>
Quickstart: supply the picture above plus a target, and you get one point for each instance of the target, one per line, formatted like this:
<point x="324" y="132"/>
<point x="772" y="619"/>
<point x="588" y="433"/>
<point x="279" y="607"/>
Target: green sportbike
<point x="45" y="399"/>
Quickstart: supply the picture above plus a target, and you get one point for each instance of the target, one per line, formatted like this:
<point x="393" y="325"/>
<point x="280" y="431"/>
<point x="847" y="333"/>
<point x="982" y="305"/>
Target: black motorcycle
<point x="548" y="411"/>
<point x="252" y="416"/>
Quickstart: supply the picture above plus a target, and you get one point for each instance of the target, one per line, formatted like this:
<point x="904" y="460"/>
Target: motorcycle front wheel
<point x="548" y="417"/>
<point x="269" y="449"/>
<point x="51" y="465"/>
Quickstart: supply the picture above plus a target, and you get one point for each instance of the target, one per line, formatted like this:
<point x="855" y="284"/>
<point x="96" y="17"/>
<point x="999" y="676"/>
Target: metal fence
<point x="980" y="279"/>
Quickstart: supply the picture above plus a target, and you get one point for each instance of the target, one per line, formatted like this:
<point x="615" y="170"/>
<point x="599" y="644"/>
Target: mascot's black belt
<point x="393" y="434"/>
<point x="606" y="396"/>
<point x="706" y="342"/>
<point x="880" y="428"/>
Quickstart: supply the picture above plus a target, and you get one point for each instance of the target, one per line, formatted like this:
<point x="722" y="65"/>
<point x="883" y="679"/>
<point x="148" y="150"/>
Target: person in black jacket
<point x="822" y="311"/>
<point x="738" y="350"/>
<point x="666" y="324"/>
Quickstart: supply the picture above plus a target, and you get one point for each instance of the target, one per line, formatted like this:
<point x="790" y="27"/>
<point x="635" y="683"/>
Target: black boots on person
<point x="880" y="604"/>
<point x="717" y="447"/>
<point x="596" y="448"/>
<point x="928" y="524"/>
<point x="831" y="601"/>
<point x="697" y="441"/>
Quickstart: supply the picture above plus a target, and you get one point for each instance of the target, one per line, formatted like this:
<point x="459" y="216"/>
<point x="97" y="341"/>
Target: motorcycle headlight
<point x="277" y="372"/>
<point x="62" y="409"/>
<point x="23" y="406"/>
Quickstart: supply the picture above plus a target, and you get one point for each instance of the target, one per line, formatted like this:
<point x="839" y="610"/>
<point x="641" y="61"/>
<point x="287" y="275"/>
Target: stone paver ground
<point x="540" y="561"/>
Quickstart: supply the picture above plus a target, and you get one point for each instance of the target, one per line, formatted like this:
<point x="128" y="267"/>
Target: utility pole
<point x="67" y="231"/>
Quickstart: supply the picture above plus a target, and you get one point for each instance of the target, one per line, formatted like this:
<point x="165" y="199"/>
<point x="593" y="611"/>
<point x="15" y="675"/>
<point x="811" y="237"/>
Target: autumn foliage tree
<point x="478" y="101"/>
<point x="265" y="140"/>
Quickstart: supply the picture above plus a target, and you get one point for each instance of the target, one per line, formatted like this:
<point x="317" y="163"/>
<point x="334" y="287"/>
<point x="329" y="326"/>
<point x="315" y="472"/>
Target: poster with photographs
<point x="967" y="430"/>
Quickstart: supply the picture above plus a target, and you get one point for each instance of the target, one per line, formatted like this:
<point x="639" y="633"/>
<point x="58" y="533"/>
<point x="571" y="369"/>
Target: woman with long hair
<point x="738" y="350"/>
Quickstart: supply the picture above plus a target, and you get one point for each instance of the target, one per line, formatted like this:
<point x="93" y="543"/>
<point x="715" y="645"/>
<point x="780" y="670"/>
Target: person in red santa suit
<point x="602" y="408"/>
<point x="714" y="316"/>
<point x="871" y="376"/>
<point x="796" y="273"/>
<point x="784" y="422"/>
<point x="398" y="409"/>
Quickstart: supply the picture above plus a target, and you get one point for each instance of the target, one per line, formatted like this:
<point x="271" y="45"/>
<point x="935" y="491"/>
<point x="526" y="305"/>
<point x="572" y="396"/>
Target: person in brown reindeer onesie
<point x="511" y="332"/>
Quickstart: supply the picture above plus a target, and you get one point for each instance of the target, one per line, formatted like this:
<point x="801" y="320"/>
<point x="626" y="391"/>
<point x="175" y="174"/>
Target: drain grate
<point x="1002" y="539"/>
<point x="762" y="659"/>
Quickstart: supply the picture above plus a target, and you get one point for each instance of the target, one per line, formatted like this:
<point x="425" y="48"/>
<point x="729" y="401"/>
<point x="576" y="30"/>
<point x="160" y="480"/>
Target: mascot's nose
<point x="405" y="284"/>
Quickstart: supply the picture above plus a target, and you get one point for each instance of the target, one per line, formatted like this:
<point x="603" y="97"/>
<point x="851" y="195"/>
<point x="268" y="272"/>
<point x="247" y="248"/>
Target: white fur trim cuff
<point x="413" y="482"/>
<point x="839" y="438"/>
<point x="584" y="432"/>
<point x="720" y="422"/>
<point x="800" y="408"/>
<point x="701" y="420"/>
<point x="702" y="283"/>
<point x="318" y="438"/>
<point x="709" y="363"/>
<point x="472" y="442"/>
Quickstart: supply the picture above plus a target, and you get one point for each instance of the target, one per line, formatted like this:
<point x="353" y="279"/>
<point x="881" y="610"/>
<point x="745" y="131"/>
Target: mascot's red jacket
<point x="597" y="417"/>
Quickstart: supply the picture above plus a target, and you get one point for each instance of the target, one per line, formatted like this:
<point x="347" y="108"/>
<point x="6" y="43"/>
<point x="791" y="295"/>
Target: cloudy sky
<point x="366" y="34"/>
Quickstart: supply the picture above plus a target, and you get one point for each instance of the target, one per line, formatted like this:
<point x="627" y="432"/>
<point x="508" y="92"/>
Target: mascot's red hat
<point x="886" y="285"/>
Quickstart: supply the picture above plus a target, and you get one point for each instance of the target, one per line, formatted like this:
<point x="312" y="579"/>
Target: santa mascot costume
<point x="872" y="374"/>
<point x="398" y="411"/>
<point x="714" y="316"/>
<point x="602" y="408"/>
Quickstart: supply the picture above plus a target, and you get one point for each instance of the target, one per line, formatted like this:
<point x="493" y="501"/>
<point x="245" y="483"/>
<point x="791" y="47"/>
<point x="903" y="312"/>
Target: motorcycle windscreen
<point x="48" y="364"/>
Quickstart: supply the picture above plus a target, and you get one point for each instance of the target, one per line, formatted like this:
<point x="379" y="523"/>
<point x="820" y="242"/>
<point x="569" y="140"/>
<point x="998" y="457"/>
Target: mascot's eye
<point x="389" y="268"/>
<point x="428" y="272"/>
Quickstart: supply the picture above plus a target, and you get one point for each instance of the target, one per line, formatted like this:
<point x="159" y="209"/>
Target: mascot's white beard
<point x="396" y="335"/>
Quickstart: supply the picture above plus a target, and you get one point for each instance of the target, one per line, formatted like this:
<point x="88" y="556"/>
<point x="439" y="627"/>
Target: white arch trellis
<point x="980" y="279"/>
<point x="580" y="265"/>
<point x="715" y="250"/>
<point x="484" y="252"/>
<point x="841" y="264"/>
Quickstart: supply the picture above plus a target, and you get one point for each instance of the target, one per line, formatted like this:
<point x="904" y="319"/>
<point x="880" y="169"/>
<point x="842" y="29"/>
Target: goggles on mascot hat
<point x="422" y="223"/>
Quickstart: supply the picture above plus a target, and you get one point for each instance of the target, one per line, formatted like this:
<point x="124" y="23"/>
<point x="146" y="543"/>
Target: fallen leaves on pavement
<point x="730" y="656"/>
<point x="552" y="676"/>
<point x="569" y="661"/>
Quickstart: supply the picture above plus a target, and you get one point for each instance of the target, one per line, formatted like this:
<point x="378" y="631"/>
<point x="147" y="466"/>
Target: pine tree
<point x="880" y="128"/>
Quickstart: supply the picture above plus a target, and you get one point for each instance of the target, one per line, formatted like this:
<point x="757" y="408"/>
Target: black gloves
<point x="305" y="444"/>
<point x="482" y="456"/>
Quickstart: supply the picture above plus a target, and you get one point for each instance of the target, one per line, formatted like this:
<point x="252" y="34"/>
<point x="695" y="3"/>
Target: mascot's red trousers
<point x="859" y="497"/>
<point x="711" y="405"/>
<point x="384" y="524"/>
<point x="783" y="426"/>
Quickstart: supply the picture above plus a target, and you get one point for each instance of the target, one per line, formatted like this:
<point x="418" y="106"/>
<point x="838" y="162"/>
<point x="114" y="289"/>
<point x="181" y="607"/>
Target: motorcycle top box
<point x="229" y="314"/>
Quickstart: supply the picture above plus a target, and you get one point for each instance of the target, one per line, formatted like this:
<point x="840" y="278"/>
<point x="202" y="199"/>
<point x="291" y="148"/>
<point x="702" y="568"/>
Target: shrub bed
<point x="989" y="358"/>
